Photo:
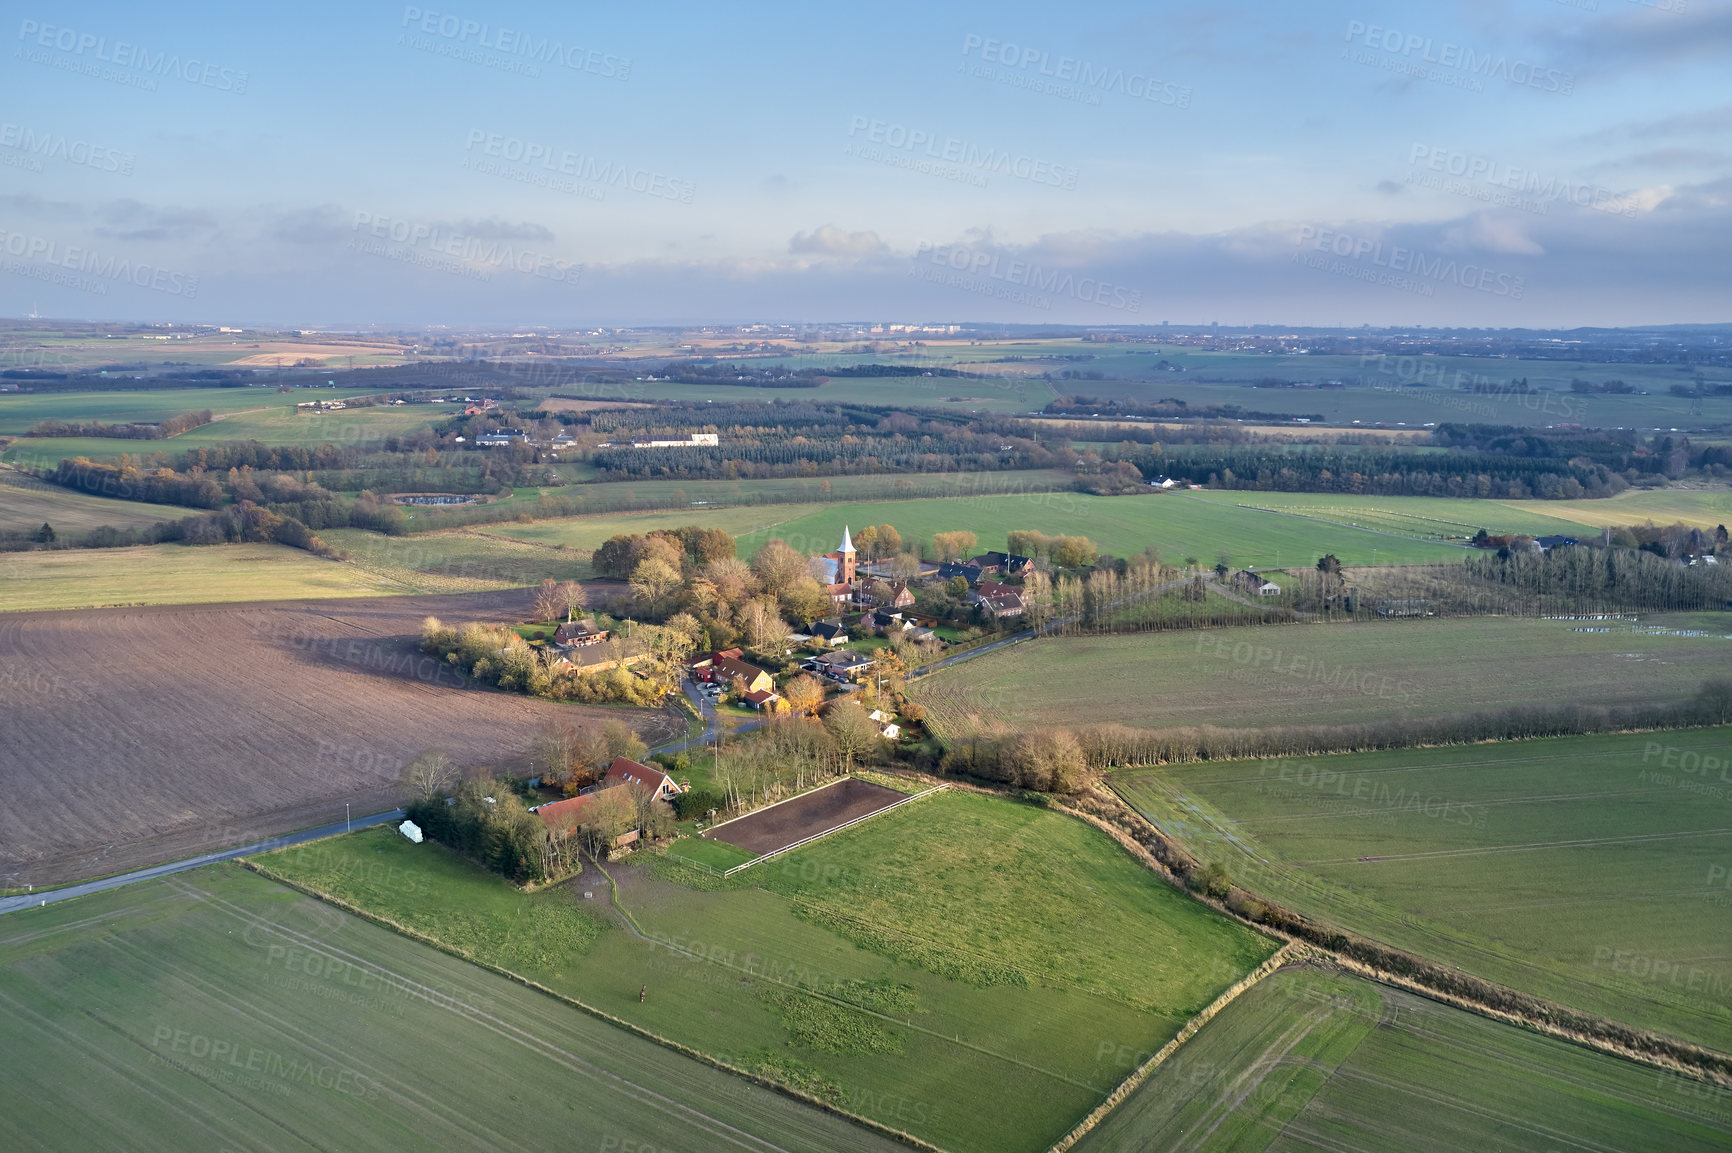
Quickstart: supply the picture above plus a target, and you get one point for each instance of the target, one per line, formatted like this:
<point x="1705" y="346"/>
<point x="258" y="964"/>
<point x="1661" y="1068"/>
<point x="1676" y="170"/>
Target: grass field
<point x="462" y="560"/>
<point x="1587" y="870"/>
<point x="221" y="1011"/>
<point x="27" y="503"/>
<point x="20" y="411"/>
<point x="1313" y="673"/>
<point x="1422" y="517"/>
<point x="1177" y="526"/>
<point x="895" y="967"/>
<point x="1700" y="507"/>
<point x="1313" y="1060"/>
<point x="173" y="574"/>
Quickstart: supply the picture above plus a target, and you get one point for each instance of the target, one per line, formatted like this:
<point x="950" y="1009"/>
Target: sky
<point x="337" y="165"/>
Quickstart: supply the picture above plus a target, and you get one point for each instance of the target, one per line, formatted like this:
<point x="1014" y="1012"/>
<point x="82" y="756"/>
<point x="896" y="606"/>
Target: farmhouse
<point x="898" y="596"/>
<point x="625" y="771"/>
<point x="969" y="572"/>
<point x="1006" y="604"/>
<point x="615" y="653"/>
<point x="695" y="440"/>
<point x="763" y="699"/>
<point x="1005" y="563"/>
<point x="562" y="818"/>
<point x="577" y="634"/>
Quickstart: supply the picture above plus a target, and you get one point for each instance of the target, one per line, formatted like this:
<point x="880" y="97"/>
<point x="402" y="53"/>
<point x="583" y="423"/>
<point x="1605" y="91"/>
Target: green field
<point x="20" y="411"/>
<point x="221" y="1011"/>
<point x="173" y="574"/>
<point x="1587" y="870"/>
<point x="1316" y="673"/>
<point x="27" y="503"/>
<point x="1315" y="1060"/>
<point x="1422" y="517"/>
<point x="896" y="967"/>
<point x="1700" y="507"/>
<point x="464" y="560"/>
<point x="1177" y="526"/>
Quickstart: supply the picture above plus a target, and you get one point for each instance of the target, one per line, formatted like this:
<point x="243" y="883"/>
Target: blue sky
<point x="1526" y="162"/>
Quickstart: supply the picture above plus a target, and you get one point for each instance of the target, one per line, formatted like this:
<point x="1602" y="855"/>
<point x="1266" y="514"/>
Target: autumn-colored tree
<point x="779" y="566"/>
<point x="889" y="540"/>
<point x="803" y="694"/>
<point x="856" y="736"/>
<point x="952" y="546"/>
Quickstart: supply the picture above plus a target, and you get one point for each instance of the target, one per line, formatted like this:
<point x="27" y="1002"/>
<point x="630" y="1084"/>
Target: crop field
<point x="20" y="411"/>
<point x="1701" y="507"/>
<point x="237" y="721"/>
<point x="956" y="393"/>
<point x="460" y="560"/>
<point x="1314" y="673"/>
<point x="894" y="968"/>
<point x="1587" y="870"/>
<point x="1420" y="517"/>
<point x="221" y="1011"/>
<point x="1312" y="1060"/>
<point x="26" y="504"/>
<point x="174" y="574"/>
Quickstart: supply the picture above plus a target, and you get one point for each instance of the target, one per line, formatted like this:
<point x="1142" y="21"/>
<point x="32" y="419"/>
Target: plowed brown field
<point x="138" y="735"/>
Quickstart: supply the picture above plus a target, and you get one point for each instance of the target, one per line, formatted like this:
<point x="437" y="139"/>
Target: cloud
<point x="133" y="220"/>
<point x="1391" y="187"/>
<point x="323" y="224"/>
<point x="1709" y="121"/>
<point x="494" y="228"/>
<point x="1652" y="39"/>
<point x="1486" y="233"/>
<point x="832" y="241"/>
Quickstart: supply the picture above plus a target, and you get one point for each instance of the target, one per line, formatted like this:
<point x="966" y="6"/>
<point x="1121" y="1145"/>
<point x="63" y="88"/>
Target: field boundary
<point x="600" y="1014"/>
<point x="1466" y="991"/>
<point x="1287" y="954"/>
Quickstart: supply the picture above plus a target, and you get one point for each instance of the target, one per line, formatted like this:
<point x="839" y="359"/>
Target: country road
<point x="103" y="884"/>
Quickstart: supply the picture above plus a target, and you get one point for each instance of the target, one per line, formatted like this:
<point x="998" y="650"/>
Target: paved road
<point x="712" y="724"/>
<point x="84" y="888"/>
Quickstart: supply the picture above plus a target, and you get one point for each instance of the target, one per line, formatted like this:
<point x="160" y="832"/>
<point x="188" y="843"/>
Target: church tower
<point x="846" y="555"/>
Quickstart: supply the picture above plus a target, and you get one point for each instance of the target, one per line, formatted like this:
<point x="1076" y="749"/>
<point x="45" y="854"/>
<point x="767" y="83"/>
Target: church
<point x="841" y="567"/>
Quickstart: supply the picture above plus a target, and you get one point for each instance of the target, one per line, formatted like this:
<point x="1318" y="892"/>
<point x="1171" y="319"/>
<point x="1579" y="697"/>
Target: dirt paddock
<point x="131" y="736"/>
<point x="817" y="812"/>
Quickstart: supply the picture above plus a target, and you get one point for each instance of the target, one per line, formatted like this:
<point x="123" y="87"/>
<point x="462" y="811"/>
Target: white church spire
<point x="847" y="541"/>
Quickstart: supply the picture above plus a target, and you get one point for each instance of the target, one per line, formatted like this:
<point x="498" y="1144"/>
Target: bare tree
<point x="429" y="774"/>
<point x="855" y="735"/>
<point x="576" y="598"/>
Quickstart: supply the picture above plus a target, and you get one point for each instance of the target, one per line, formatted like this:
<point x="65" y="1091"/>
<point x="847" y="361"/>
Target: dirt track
<point x="134" y="736"/>
<point x="769" y="829"/>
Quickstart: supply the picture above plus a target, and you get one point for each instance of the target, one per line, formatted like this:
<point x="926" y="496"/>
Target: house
<point x="919" y="634"/>
<point x="1702" y="558"/>
<point x="1250" y="582"/>
<point x="1548" y="543"/>
<point x="763" y="699"/>
<point x="1009" y="564"/>
<point x="884" y="621"/>
<point x="839" y="593"/>
<point x="1004" y="605"/>
<point x="843" y="665"/>
<point x="892" y="732"/>
<point x="880" y="716"/>
<point x="968" y="572"/>
<point x="899" y="598"/>
<point x="1163" y="482"/>
<point x="576" y="634"/>
<point x="565" y="816"/>
<point x="828" y="633"/>
<point x="614" y="653"/>
<point x="625" y="771"/>
<point x="726" y="670"/>
<point x="988" y="588"/>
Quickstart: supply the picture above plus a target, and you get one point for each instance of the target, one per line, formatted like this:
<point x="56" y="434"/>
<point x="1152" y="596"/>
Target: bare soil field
<point x="817" y="812"/>
<point x="130" y="736"/>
